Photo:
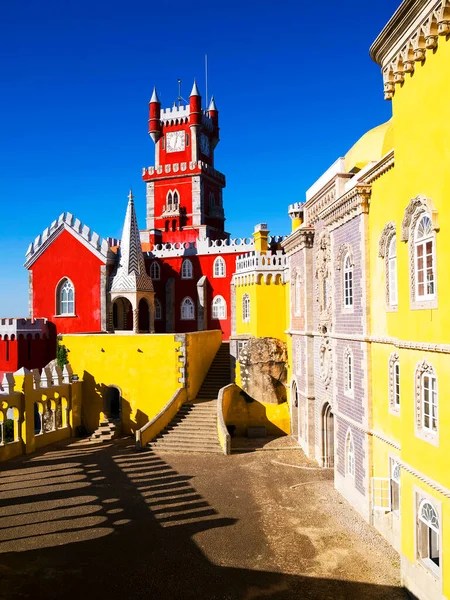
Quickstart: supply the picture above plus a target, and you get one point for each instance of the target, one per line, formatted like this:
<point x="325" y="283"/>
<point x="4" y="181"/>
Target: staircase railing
<point x="223" y="404"/>
<point x="150" y="430"/>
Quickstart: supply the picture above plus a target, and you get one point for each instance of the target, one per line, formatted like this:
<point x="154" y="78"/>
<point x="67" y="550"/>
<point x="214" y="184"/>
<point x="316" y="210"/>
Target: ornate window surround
<point x="323" y="281"/>
<point x="325" y="362"/>
<point x="429" y="519"/>
<point x="349" y="373"/>
<point x="416" y="209"/>
<point x="394" y="384"/>
<point x="427" y="434"/>
<point x="349" y="454"/>
<point x="346" y="251"/>
<point x="389" y="231"/>
<point x="246" y="308"/>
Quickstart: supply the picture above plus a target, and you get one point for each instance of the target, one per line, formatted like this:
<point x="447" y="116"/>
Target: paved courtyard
<point x="91" y="521"/>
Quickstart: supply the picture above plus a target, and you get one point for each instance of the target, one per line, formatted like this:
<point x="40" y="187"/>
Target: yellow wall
<point x="146" y="368"/>
<point x="267" y="310"/>
<point x="420" y="134"/>
<point x="241" y="414"/>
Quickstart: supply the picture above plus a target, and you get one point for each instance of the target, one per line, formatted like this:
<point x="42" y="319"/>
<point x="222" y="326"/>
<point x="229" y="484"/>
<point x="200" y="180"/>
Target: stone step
<point x="186" y="448"/>
<point x="188" y="435"/>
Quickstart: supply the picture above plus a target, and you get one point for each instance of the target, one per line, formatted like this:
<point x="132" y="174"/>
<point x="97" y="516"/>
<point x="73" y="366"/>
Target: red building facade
<point x="78" y="282"/>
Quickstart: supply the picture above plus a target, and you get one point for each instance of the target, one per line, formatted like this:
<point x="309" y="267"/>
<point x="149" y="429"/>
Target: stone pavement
<point x="100" y="521"/>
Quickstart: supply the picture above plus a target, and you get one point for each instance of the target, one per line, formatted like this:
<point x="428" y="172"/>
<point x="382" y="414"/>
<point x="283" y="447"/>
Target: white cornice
<point x="385" y="163"/>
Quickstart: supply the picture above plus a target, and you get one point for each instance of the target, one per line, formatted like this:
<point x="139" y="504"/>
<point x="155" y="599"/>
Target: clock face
<point x="204" y="144"/>
<point x="175" y="141"/>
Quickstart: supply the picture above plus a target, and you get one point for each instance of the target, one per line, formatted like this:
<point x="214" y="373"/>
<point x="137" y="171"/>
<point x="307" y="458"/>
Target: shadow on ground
<point x="105" y="522"/>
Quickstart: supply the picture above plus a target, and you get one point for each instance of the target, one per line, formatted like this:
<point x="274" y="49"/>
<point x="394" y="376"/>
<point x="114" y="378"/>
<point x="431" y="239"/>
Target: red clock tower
<point x="184" y="191"/>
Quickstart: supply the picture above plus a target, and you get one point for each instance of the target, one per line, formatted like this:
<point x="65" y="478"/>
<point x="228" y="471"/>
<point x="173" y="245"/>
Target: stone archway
<point x="328" y="436"/>
<point x="122" y="314"/>
<point x="143" y="316"/>
<point x="113" y="402"/>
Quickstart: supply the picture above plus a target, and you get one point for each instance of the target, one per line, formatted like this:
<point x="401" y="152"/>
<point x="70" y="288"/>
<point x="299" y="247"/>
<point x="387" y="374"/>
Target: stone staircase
<point x="194" y="429"/>
<point x="106" y="431"/>
<point x="219" y="374"/>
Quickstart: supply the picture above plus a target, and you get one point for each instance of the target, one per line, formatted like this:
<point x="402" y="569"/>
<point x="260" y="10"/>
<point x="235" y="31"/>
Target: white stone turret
<point x="130" y="283"/>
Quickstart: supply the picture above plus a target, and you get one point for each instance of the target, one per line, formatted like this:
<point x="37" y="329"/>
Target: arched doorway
<point x="113" y="402"/>
<point x="328" y="436"/>
<point x="295" y="425"/>
<point x="122" y="314"/>
<point x="144" y="315"/>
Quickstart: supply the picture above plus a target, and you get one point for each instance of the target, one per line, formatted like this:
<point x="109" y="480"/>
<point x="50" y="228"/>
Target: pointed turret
<point x="154" y="121"/>
<point x="212" y="105"/>
<point x="130" y="275"/>
<point x="195" y="91"/>
<point x="214" y="114"/>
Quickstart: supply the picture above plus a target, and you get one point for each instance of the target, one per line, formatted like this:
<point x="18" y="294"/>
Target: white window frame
<point x="349" y="455"/>
<point x="349" y="373"/>
<point x="219" y="267"/>
<point x="219" y="308"/>
<point x="187" y="269"/>
<point x="65" y="281"/>
<point x="395" y="470"/>
<point x="246" y="308"/>
<point x="158" y="310"/>
<point x="155" y="271"/>
<point x="429" y="534"/>
<point x="381" y="494"/>
<point x="347" y="280"/>
<point x="187" y="309"/>
<point x="422" y="243"/>
<point x="391" y="272"/>
<point x="429" y="384"/>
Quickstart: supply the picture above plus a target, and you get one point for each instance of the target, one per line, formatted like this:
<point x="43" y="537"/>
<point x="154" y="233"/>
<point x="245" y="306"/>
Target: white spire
<point x="154" y="97"/>
<point x="195" y="91"/>
<point x="212" y="104"/>
<point x="130" y="275"/>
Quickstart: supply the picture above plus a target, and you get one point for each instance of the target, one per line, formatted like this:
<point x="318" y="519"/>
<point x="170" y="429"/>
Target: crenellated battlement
<point x="257" y="267"/>
<point x="179" y="115"/>
<point x="16" y="327"/>
<point x="200" y="247"/>
<point x="184" y="167"/>
<point x="67" y="221"/>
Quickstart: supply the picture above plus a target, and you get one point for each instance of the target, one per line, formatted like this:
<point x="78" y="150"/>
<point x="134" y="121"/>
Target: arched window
<point x="348" y="282"/>
<point x="187" y="310"/>
<point x="158" y="310"/>
<point x="219" y="267"/>
<point x="65" y="297"/>
<point x="169" y="200"/>
<point x="392" y="271"/>
<point x="176" y="199"/>
<point x="429" y="402"/>
<point x="348" y="372"/>
<point x="219" y="308"/>
<point x="428" y="535"/>
<point x="155" y="270"/>
<point x="424" y="259"/>
<point x="350" y="455"/>
<point x="246" y="308"/>
<point x="186" y="269"/>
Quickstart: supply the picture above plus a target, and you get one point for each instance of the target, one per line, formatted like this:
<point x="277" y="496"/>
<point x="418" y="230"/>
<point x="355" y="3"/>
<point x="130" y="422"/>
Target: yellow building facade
<point x="409" y="224"/>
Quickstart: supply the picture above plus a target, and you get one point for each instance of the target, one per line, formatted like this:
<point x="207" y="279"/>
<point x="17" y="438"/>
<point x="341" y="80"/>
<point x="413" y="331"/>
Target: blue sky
<point x="293" y="82"/>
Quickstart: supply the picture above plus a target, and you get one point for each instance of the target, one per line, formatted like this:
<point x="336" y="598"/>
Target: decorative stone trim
<point x="181" y="353"/>
<point x="325" y="362"/>
<point x="393" y="359"/>
<point x="416" y="207"/>
<point x="83" y="233"/>
<point x="422" y="368"/>
<point x="427" y="480"/>
<point x="380" y="168"/>
<point x="386" y="236"/>
<point x="413" y="29"/>
<point x="385" y="439"/>
<point x="348" y="206"/>
<point x="303" y="237"/>
<point x="348" y="391"/>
